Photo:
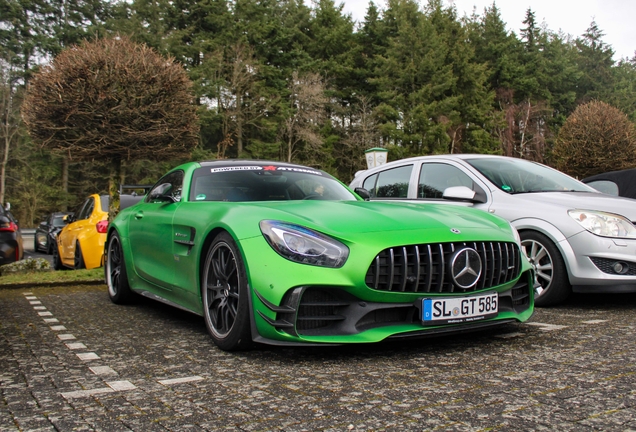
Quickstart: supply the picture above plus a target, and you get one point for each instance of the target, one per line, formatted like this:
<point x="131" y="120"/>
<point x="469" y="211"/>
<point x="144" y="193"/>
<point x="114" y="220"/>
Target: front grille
<point x="607" y="266"/>
<point x="424" y="268"/>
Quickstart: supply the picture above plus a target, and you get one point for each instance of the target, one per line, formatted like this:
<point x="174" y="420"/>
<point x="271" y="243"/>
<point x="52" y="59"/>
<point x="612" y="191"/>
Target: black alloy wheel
<point x="224" y="294"/>
<point x="115" y="271"/>
<point x="78" y="260"/>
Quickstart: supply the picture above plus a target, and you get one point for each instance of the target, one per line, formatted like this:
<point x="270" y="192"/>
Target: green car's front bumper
<point x="338" y="306"/>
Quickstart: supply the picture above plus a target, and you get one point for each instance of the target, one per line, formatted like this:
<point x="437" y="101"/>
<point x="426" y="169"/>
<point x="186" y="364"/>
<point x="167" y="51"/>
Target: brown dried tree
<point x="304" y="115"/>
<point x="595" y="138"/>
<point x="241" y="98"/>
<point x="112" y="99"/>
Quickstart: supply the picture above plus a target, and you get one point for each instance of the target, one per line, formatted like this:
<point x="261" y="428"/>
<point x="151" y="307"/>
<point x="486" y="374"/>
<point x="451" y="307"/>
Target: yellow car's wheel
<point x="79" y="258"/>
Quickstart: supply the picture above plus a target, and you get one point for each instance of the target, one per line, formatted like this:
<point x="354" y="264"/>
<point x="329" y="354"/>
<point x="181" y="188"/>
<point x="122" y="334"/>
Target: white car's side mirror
<point x="459" y="193"/>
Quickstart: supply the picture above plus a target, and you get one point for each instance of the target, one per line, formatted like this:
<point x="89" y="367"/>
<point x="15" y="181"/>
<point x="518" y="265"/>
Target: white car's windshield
<point x="516" y="176"/>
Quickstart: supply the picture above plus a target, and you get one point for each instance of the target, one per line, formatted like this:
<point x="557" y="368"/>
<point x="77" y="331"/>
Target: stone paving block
<point x="279" y="424"/>
<point x="32" y="421"/>
<point x="119" y="425"/>
<point x="70" y="422"/>
<point x="135" y="423"/>
<point x="187" y="422"/>
<point x="49" y="400"/>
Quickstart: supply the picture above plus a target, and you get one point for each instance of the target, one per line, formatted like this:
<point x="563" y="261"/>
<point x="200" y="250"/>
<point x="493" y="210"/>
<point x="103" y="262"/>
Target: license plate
<point x="455" y="310"/>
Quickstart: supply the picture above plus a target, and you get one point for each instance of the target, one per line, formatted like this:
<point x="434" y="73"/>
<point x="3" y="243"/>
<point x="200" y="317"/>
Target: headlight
<point x="604" y="224"/>
<point x="302" y="245"/>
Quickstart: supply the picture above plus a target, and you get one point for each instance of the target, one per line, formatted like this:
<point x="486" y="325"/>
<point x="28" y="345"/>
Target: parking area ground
<point x="72" y="360"/>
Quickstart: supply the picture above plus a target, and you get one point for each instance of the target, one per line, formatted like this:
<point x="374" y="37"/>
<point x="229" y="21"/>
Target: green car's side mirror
<point x="363" y="193"/>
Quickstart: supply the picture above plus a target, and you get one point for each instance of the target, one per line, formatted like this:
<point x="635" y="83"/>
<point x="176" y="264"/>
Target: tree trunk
<point x="5" y="160"/>
<point x="65" y="180"/>
<point x="239" y="127"/>
<point x="289" y="150"/>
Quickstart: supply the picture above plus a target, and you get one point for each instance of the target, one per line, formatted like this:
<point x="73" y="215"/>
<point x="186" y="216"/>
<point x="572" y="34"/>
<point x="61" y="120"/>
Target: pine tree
<point x="623" y="94"/>
<point x="595" y="61"/>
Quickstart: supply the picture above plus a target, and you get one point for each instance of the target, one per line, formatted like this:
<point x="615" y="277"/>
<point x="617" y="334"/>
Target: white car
<point x="577" y="238"/>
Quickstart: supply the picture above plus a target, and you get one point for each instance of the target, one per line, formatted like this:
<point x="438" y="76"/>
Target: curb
<point x="51" y="284"/>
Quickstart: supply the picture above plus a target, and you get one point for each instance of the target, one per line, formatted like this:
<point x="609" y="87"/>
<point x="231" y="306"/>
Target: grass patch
<point x="52" y="277"/>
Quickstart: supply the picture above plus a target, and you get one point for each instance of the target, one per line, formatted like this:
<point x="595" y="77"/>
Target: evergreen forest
<point x="302" y="82"/>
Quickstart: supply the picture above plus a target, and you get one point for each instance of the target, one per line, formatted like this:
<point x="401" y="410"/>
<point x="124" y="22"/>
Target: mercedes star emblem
<point x="465" y="268"/>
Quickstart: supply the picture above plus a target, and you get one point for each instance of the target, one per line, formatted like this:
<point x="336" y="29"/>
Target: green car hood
<point x="346" y="218"/>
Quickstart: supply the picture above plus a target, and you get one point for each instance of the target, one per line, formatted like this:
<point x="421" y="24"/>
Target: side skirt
<point x="154" y="296"/>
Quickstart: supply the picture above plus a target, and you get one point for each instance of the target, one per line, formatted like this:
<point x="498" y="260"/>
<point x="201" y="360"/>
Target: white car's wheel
<point x="551" y="279"/>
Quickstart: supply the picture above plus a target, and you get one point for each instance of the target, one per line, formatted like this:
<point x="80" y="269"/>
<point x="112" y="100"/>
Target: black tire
<point x="224" y="295"/>
<point x="49" y="247"/>
<point x="57" y="262"/>
<point x="115" y="272"/>
<point x="78" y="261"/>
<point x="36" y="244"/>
<point x="550" y="271"/>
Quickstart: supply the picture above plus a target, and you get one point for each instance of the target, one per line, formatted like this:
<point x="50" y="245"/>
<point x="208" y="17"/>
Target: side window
<point x="436" y="177"/>
<point x="85" y="210"/>
<point x="369" y="184"/>
<point x="393" y="183"/>
<point x="171" y="184"/>
<point x="605" y="186"/>
<point x="88" y="210"/>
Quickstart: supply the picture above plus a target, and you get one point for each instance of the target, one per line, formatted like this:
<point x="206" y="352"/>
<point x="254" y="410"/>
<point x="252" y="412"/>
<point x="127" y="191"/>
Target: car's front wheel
<point x="115" y="271"/>
<point x="36" y="244"/>
<point x="551" y="278"/>
<point x="224" y="294"/>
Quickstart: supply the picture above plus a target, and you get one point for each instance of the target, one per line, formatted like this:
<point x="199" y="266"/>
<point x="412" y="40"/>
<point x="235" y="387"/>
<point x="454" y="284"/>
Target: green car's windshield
<point x="265" y="183"/>
<point x="516" y="176"/>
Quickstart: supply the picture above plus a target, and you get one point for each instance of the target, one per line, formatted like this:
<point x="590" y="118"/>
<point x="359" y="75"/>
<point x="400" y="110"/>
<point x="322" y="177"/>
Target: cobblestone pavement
<point x="72" y="360"/>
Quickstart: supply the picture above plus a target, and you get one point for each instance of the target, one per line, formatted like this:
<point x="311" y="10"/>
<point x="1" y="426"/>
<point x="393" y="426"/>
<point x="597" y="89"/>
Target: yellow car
<point x="80" y="244"/>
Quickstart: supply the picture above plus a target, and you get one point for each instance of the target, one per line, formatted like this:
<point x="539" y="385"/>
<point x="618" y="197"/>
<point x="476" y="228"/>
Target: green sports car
<point x="282" y="254"/>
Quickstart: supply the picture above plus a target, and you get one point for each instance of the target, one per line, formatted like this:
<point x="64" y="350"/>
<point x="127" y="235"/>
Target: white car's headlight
<point x="604" y="224"/>
<point x="303" y="245"/>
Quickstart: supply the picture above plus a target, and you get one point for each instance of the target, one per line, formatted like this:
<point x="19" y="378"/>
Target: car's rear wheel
<point x="57" y="262"/>
<point x="78" y="258"/>
<point x="549" y="269"/>
<point x="224" y="293"/>
<point x="115" y="272"/>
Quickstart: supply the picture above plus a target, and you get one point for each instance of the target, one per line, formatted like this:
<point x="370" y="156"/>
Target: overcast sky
<point x="615" y="18"/>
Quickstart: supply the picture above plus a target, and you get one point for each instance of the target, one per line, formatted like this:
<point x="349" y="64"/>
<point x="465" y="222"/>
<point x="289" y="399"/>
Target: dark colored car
<point x="11" y="246"/>
<point x="620" y="183"/>
<point x="46" y="233"/>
